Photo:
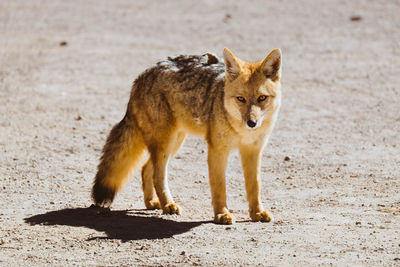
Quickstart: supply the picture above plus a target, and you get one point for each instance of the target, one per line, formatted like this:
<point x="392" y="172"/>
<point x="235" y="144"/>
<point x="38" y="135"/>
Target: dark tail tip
<point x="102" y="195"/>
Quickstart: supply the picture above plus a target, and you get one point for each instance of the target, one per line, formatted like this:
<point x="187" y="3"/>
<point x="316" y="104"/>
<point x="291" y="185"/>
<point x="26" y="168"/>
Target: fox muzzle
<point x="251" y="123"/>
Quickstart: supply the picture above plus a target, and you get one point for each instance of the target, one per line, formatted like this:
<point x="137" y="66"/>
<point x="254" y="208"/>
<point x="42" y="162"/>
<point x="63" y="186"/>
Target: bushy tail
<point x="121" y="153"/>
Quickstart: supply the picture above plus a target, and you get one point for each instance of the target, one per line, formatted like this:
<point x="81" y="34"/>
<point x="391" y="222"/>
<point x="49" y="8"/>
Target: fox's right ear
<point x="232" y="65"/>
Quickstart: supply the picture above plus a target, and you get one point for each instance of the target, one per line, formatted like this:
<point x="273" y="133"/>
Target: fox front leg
<point x="251" y="158"/>
<point x="217" y="160"/>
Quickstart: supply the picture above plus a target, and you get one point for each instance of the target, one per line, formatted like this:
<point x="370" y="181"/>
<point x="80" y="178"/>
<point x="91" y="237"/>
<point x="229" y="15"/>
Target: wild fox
<point x="232" y="103"/>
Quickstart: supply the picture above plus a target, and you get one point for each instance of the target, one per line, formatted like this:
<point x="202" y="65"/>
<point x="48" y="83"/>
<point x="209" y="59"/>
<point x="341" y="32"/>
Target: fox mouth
<point x="252" y="128"/>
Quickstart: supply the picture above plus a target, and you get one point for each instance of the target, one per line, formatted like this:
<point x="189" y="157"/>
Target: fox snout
<point x="253" y="117"/>
<point x="251" y="123"/>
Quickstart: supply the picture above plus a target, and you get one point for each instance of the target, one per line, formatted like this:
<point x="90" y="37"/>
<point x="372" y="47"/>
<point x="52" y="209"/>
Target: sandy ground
<point x="335" y="202"/>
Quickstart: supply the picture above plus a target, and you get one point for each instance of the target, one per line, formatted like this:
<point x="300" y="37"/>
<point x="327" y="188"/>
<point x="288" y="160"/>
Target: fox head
<point x="252" y="90"/>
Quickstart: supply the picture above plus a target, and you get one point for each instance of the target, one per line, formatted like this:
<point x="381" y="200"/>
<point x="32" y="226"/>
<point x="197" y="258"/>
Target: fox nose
<point x="251" y="123"/>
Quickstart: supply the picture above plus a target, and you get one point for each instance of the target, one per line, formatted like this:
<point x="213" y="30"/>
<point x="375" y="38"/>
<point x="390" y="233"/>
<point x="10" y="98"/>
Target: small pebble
<point x="355" y="18"/>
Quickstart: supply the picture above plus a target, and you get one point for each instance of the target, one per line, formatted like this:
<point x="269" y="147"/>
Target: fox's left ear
<point x="271" y="65"/>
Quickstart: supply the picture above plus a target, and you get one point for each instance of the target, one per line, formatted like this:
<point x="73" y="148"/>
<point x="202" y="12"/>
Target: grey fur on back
<point x="193" y="81"/>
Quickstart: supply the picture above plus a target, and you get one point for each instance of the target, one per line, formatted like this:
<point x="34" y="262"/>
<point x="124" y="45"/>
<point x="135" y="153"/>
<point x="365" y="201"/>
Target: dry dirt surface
<point x="331" y="172"/>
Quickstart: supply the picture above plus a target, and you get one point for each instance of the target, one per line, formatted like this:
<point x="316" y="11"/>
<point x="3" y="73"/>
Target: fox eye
<point x="241" y="99"/>
<point x="261" y="98"/>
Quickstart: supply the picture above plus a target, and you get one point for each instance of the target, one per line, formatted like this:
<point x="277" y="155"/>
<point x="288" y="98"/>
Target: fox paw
<point x="171" y="208"/>
<point x="224" y="218"/>
<point x="261" y="216"/>
<point x="152" y="204"/>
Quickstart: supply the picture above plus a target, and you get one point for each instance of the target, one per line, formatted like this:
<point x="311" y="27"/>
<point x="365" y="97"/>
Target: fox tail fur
<point x="121" y="153"/>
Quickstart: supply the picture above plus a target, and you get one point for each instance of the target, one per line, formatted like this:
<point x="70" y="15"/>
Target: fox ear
<point x="271" y="65"/>
<point x="232" y="65"/>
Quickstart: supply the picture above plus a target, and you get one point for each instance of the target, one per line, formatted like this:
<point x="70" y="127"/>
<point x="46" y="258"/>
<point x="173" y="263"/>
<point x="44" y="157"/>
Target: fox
<point x="232" y="103"/>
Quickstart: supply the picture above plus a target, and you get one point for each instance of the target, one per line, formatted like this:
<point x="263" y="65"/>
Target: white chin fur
<point x="255" y="127"/>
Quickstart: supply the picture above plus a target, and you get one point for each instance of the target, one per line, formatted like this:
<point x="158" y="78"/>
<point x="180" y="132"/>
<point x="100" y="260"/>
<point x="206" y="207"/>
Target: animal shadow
<point x="124" y="225"/>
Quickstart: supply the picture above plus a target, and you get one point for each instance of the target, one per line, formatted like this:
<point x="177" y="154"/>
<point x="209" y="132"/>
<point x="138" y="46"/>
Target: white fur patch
<point x="169" y="65"/>
<point x="221" y="76"/>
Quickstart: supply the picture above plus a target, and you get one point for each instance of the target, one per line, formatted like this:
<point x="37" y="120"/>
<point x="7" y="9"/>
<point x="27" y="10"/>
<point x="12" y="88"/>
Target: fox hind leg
<point x="161" y="150"/>
<point x="159" y="158"/>
<point x="150" y="198"/>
